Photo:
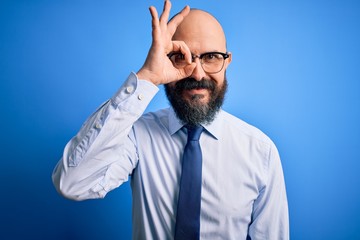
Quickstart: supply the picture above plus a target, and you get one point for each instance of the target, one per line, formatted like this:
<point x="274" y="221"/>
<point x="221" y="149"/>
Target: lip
<point x="196" y="91"/>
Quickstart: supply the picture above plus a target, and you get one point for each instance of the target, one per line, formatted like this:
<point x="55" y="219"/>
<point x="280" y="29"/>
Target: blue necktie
<point x="188" y="211"/>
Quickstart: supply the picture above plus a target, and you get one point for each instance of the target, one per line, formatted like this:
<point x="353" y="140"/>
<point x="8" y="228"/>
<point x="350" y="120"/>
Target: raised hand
<point x="157" y="67"/>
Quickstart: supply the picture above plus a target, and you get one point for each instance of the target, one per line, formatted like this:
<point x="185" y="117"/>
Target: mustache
<point x="191" y="83"/>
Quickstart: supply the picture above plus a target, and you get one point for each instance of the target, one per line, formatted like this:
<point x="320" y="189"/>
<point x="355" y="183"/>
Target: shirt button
<point x="140" y="97"/>
<point x="129" y="89"/>
<point x="98" y="125"/>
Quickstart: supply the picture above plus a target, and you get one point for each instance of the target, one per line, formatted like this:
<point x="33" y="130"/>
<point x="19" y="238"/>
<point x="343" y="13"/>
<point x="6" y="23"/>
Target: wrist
<point x="146" y="75"/>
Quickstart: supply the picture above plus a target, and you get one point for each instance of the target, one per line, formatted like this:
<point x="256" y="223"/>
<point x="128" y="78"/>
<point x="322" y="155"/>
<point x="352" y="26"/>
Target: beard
<point x="194" y="111"/>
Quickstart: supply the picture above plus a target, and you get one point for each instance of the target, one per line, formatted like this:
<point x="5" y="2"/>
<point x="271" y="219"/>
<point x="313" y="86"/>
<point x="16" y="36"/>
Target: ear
<point x="229" y="59"/>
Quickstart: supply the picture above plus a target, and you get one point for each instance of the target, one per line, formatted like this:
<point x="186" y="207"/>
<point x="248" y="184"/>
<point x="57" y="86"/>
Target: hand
<point x="157" y="67"/>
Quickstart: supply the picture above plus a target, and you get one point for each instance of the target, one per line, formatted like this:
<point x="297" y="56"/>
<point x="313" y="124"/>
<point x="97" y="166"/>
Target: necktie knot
<point x="194" y="132"/>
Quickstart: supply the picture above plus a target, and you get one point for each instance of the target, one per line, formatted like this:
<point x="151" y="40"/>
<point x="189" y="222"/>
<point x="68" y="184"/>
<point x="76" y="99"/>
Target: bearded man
<point x="197" y="172"/>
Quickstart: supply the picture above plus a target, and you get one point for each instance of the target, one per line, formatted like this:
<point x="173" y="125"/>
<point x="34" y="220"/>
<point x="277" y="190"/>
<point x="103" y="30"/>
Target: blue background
<point x="295" y="74"/>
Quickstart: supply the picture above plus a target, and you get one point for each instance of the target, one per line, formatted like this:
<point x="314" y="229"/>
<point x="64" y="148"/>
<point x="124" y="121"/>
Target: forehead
<point x="201" y="32"/>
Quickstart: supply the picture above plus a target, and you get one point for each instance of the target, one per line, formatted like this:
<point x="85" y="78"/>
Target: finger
<point x="154" y="20"/>
<point x="154" y="16"/>
<point x="177" y="19"/>
<point x="180" y="46"/>
<point x="166" y="12"/>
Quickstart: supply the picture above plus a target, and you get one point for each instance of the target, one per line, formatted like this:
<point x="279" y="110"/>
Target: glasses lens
<point x="178" y="60"/>
<point x="212" y="62"/>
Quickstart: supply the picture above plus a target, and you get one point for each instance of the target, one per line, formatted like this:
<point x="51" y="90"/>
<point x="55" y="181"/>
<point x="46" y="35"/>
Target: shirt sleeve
<point x="270" y="218"/>
<point x="102" y="154"/>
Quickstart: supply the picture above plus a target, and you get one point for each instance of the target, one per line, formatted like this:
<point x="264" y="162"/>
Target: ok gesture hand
<point x="157" y="67"/>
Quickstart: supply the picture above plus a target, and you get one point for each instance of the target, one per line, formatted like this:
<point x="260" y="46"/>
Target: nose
<point x="198" y="72"/>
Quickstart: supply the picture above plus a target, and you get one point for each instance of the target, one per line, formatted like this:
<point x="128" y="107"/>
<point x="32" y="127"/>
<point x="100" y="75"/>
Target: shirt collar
<point x="214" y="128"/>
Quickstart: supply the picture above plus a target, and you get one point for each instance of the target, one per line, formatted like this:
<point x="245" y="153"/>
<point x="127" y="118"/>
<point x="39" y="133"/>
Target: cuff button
<point x="129" y="89"/>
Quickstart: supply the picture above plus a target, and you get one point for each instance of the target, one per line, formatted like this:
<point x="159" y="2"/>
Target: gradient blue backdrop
<point x="295" y="74"/>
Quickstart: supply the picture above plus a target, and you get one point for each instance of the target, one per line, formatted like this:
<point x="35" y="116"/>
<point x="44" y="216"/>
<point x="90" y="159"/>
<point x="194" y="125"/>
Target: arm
<point x="270" y="218"/>
<point x="101" y="156"/>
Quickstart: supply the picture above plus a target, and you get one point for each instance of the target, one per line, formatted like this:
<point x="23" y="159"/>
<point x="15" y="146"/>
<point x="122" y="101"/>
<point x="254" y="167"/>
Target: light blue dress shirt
<point x="243" y="189"/>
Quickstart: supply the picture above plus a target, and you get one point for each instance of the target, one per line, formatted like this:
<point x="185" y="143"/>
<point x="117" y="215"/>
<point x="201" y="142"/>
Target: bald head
<point x="201" y="32"/>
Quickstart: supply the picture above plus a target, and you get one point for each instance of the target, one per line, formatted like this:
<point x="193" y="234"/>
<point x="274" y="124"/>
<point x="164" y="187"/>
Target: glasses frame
<point x="200" y="56"/>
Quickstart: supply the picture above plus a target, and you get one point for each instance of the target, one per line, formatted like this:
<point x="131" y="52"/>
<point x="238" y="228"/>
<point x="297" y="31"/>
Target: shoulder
<point x="243" y="129"/>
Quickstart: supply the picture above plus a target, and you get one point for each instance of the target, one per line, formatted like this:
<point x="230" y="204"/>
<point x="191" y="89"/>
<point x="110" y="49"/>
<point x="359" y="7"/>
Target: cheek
<point x="218" y="78"/>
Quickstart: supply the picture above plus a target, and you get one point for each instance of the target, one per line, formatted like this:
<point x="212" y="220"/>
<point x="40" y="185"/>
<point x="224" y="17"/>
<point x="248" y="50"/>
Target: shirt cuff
<point x="134" y="95"/>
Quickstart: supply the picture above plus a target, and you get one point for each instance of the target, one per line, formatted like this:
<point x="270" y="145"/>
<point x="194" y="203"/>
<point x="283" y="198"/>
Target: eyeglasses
<point x="211" y="62"/>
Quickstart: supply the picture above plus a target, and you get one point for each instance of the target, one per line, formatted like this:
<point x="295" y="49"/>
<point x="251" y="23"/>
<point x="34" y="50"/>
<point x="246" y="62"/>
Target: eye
<point x="212" y="57"/>
<point x="178" y="58"/>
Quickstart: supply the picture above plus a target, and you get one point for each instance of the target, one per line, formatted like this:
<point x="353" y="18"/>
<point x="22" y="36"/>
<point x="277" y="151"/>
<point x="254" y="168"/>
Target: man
<point x="241" y="191"/>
